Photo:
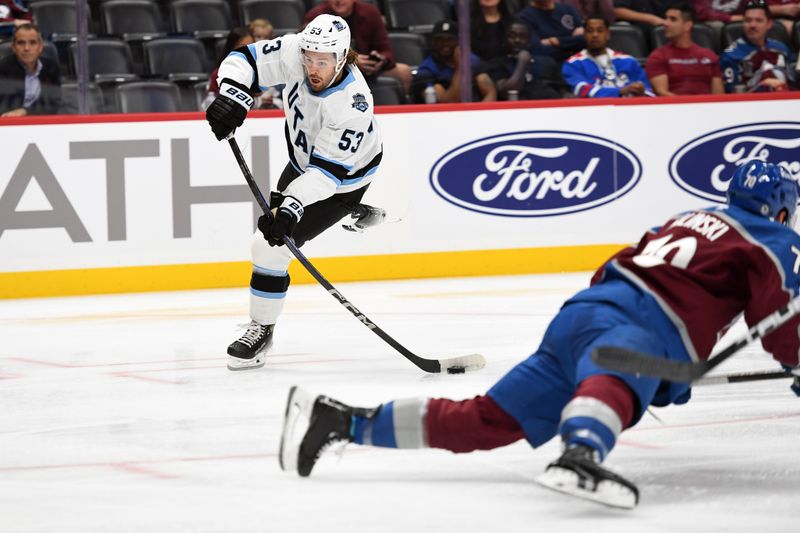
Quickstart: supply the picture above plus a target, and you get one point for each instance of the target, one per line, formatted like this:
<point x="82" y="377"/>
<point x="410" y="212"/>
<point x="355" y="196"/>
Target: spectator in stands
<point x="599" y="71"/>
<point x="643" y="13"/>
<point x="785" y="11"/>
<point x="558" y="27"/>
<point x="238" y="37"/>
<point x="12" y="14"/>
<point x="681" y="66"/>
<point x="717" y="13"/>
<point x="489" y="22"/>
<point x="260" y="29"/>
<point x="587" y="8"/>
<point x="29" y="83"/>
<point x="520" y="76"/>
<point x="754" y="63"/>
<point x="442" y="69"/>
<point x="371" y="40"/>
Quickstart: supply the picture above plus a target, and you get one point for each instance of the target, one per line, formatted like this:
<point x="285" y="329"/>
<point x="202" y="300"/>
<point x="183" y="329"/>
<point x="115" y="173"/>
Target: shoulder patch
<point x="360" y="102"/>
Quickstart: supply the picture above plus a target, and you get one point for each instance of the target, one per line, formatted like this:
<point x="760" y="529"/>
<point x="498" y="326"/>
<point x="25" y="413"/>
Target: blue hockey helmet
<point x="765" y="189"/>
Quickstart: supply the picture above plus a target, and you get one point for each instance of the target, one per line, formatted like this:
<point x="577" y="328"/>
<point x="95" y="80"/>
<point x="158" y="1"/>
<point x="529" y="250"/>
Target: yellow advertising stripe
<point x="336" y="269"/>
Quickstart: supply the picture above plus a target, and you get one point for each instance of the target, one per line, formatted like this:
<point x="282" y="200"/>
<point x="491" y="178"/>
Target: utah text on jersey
<point x="332" y="136"/>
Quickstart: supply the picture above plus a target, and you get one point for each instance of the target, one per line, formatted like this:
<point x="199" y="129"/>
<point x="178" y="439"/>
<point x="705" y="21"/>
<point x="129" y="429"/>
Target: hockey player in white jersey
<point x="334" y="148"/>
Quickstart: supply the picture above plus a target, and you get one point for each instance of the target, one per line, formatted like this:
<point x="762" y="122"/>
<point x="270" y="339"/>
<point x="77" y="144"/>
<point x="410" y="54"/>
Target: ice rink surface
<point x="117" y="414"/>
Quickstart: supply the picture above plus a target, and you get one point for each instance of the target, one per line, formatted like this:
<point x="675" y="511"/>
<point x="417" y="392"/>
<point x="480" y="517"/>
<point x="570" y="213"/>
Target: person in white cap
<point x="334" y="145"/>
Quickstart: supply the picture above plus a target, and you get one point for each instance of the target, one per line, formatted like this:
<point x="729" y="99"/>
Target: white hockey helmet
<point x="327" y="34"/>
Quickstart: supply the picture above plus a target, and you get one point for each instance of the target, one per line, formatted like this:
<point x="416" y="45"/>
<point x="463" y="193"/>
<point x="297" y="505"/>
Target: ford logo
<point x="535" y="173"/>
<point x="704" y="166"/>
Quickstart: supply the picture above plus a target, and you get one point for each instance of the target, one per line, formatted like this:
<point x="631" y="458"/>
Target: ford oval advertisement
<point x="704" y="166"/>
<point x="535" y="173"/>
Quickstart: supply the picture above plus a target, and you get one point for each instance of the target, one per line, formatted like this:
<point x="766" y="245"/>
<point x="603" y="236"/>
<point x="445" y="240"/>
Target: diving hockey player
<point x="669" y="296"/>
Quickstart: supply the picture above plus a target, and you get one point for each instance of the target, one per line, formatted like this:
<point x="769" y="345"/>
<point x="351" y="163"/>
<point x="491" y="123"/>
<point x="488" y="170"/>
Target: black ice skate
<point x="326" y="421"/>
<point x="577" y="473"/>
<point x="250" y="350"/>
<point x="365" y="216"/>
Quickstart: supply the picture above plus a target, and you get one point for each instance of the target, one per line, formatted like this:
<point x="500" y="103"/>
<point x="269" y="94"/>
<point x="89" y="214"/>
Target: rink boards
<point x="152" y="202"/>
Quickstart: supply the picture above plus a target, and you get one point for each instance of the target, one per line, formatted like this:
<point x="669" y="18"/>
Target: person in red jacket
<point x="371" y="40"/>
<point x="717" y="13"/>
<point x="12" y="14"/>
<point x="786" y="12"/>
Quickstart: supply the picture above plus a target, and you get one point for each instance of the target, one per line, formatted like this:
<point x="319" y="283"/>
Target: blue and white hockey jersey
<point x="332" y="136"/>
<point x="604" y="75"/>
<point x="744" y="63"/>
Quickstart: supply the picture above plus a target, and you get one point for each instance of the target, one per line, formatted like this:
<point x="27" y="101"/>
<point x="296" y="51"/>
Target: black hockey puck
<point x="456" y="370"/>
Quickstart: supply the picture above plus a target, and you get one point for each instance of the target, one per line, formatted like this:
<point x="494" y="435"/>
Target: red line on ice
<point x="137" y="466"/>
<point x="135" y="469"/>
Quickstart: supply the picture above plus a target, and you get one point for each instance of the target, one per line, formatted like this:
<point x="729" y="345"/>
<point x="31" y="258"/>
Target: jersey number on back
<point x="656" y="251"/>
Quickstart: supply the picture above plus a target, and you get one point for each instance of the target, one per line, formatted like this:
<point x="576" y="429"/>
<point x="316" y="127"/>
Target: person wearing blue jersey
<point x="598" y="71"/>
<point x="334" y="145"/>
<point x="669" y="296"/>
<point x="753" y="62"/>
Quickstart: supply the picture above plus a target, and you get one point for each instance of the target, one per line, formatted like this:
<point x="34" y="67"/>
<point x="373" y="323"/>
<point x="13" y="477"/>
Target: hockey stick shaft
<point x="633" y="362"/>
<point x="428" y="365"/>
<point x="743" y="377"/>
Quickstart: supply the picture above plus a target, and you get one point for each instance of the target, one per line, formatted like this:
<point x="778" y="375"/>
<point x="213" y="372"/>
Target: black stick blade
<point x="642" y="364"/>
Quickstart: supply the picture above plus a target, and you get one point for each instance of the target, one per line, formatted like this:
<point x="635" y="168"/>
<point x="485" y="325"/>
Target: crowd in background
<point x="543" y="50"/>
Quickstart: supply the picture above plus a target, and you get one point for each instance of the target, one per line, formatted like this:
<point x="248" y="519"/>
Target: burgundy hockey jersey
<point x="707" y="267"/>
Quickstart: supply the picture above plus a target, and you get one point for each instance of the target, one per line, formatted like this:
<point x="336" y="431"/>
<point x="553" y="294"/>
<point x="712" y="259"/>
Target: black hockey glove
<point x="795" y="386"/>
<point x="283" y="223"/>
<point x="795" y="373"/>
<point x="227" y="111"/>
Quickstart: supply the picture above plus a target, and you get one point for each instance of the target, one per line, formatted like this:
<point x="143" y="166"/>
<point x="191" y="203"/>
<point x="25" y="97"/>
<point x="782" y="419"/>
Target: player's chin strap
<point x="365" y="216"/>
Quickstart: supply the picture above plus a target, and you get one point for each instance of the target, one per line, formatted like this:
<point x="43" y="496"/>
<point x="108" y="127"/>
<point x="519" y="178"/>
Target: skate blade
<point x="357" y="229"/>
<point x="236" y="363"/>
<point x="295" y="423"/>
<point x="607" y="492"/>
<point x="259" y="360"/>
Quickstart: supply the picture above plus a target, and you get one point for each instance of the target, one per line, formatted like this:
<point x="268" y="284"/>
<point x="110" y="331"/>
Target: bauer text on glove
<point x="228" y="110"/>
<point x="283" y="223"/>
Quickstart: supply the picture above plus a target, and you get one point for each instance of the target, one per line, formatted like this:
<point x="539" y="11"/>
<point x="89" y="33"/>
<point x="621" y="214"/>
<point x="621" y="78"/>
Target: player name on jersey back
<point x="703" y="223"/>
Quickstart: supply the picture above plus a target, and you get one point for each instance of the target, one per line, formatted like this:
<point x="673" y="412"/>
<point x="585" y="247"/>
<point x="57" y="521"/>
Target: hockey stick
<point x="761" y="375"/>
<point x="633" y="362"/>
<point x="453" y="365"/>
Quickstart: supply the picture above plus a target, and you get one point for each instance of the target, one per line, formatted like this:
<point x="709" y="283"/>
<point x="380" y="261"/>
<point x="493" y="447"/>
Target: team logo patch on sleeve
<point x="360" y="102"/>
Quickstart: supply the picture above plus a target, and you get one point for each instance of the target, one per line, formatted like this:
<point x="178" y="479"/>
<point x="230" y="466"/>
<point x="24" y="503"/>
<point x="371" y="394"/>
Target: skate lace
<point x="253" y="334"/>
<point x="330" y="443"/>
